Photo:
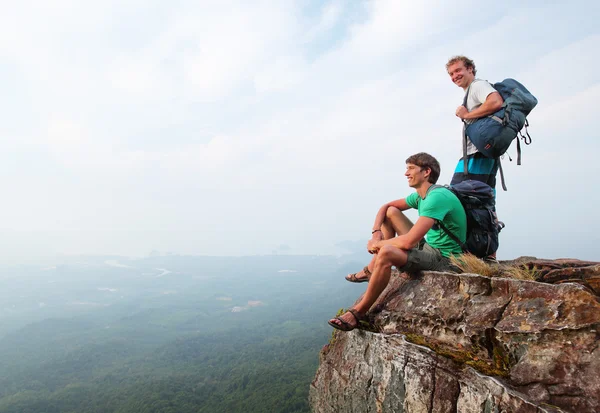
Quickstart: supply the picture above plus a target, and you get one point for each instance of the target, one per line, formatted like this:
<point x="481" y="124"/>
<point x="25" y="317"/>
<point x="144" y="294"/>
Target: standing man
<point x="482" y="100"/>
<point x="397" y="242"/>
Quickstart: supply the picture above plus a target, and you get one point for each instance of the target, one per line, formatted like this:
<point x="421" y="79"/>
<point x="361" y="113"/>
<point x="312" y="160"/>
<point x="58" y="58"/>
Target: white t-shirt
<point x="478" y="93"/>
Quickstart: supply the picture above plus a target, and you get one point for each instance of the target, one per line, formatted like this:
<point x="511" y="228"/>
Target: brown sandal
<point x="346" y="326"/>
<point x="353" y="279"/>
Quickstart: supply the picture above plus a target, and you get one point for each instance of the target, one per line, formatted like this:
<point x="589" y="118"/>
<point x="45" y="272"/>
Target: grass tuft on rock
<point x="469" y="263"/>
<point x="521" y="272"/>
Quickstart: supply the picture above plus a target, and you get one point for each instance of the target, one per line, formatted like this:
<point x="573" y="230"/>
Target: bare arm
<point x="492" y="104"/>
<point x="410" y="239"/>
<point x="380" y="217"/>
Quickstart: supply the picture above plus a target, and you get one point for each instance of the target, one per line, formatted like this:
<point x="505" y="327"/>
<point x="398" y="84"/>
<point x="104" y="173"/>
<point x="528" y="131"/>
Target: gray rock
<point x="447" y="342"/>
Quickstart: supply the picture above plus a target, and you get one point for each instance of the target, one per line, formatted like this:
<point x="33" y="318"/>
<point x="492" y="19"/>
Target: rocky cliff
<point x="445" y="342"/>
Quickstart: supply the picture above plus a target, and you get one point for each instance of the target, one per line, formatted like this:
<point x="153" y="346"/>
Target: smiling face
<point x="416" y="175"/>
<point x="460" y="75"/>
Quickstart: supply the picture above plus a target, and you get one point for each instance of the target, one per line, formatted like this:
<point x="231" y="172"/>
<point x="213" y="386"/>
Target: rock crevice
<point x="447" y="342"/>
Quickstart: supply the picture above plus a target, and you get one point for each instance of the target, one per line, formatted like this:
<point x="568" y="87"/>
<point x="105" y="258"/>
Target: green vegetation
<point x="111" y="339"/>
<point x="228" y="372"/>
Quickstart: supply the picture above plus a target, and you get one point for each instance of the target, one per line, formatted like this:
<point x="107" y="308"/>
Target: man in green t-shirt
<point x="396" y="241"/>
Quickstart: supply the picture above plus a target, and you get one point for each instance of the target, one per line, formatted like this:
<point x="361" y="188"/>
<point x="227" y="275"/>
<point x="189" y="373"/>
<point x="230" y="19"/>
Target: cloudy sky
<point x="247" y="127"/>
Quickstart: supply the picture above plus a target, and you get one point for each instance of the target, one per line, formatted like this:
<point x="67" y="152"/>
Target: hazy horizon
<point x="98" y="335"/>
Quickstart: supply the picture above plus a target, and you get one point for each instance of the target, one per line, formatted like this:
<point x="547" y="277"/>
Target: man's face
<point x="415" y="175"/>
<point x="460" y="75"/>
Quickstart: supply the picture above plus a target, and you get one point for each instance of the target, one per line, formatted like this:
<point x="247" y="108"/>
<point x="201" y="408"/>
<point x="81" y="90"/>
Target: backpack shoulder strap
<point x="465" y="161"/>
<point x="451" y="235"/>
<point x="441" y="224"/>
<point x="467" y="92"/>
<point x="435" y="186"/>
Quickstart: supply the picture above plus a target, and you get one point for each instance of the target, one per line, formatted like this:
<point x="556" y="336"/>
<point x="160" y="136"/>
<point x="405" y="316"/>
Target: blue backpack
<point x="493" y="134"/>
<point x="483" y="226"/>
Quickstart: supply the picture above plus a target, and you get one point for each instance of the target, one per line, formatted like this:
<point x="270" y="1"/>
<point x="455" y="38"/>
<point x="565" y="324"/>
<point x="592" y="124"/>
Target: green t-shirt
<point x="442" y="205"/>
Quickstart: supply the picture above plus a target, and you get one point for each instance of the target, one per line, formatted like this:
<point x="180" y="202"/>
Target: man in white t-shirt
<point x="482" y="100"/>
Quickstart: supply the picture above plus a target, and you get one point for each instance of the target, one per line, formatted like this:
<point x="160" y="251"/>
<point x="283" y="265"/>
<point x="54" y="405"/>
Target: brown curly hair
<point x="468" y="63"/>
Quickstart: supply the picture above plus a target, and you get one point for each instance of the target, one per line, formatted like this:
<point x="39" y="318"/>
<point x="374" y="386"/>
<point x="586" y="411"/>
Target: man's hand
<point x="462" y="112"/>
<point x="372" y="246"/>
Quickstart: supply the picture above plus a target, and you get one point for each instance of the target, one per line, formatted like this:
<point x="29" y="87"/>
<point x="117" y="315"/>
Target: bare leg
<point x="398" y="221"/>
<point x="395" y="223"/>
<point x="384" y="260"/>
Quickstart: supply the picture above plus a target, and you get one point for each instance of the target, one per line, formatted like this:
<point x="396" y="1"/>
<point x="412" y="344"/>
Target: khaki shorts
<point x="426" y="258"/>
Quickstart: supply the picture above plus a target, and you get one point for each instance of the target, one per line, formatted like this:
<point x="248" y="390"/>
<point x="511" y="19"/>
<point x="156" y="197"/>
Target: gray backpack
<point x="493" y="134"/>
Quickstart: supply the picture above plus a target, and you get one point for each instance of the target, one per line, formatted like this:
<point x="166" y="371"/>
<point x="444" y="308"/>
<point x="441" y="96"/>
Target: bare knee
<point x="386" y="255"/>
<point x="389" y="256"/>
<point x="397" y="221"/>
<point x="392" y="212"/>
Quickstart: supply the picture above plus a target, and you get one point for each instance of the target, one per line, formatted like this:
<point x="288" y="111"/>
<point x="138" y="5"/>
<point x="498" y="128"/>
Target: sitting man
<point x="397" y="242"/>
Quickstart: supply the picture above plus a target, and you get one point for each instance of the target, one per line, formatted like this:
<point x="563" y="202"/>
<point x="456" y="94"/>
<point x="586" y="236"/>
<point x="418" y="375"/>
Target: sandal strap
<point x="345" y="324"/>
<point x="352" y="277"/>
<point x="356" y="315"/>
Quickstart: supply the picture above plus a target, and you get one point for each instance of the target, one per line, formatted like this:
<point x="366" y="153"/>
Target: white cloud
<point x="202" y="120"/>
<point x="328" y="19"/>
<point x="572" y="115"/>
<point x="64" y="133"/>
<point x="284" y="73"/>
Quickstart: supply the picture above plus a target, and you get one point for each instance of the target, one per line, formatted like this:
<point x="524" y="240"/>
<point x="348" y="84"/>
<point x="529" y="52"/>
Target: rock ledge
<point x="449" y="342"/>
